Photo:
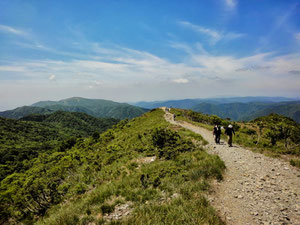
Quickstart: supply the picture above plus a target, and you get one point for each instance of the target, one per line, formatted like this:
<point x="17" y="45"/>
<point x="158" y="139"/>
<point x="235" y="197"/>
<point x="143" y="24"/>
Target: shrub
<point x="295" y="162"/>
<point x="80" y="188"/>
<point x="106" y="208"/>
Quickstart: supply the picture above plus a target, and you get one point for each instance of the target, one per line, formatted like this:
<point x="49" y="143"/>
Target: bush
<point x="105" y="208"/>
<point x="80" y="188"/>
<point x="295" y="162"/>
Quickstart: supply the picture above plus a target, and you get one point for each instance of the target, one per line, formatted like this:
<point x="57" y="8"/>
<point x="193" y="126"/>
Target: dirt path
<point x="256" y="189"/>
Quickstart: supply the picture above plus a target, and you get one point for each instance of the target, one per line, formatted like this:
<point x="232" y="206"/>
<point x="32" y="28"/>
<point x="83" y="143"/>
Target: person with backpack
<point x="218" y="134"/>
<point x="229" y="132"/>
<point x="215" y="133"/>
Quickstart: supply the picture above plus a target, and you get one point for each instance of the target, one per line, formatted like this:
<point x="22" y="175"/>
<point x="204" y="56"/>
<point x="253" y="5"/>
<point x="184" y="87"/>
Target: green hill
<point x="25" y="139"/>
<point x="83" y="182"/>
<point x="291" y="110"/>
<point x="24" y="111"/>
<point x="274" y="134"/>
<point x="94" y="107"/>
<point x="84" y="124"/>
<point x="22" y="141"/>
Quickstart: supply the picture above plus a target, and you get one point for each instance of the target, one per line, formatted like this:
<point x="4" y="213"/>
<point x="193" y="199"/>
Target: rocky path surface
<point x="256" y="189"/>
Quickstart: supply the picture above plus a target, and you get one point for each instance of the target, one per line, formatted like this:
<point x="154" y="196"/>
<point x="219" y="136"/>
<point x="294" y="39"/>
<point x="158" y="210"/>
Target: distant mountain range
<point x="249" y="111"/>
<point x="191" y="103"/>
<point x="94" y="107"/>
<point x="236" y="108"/>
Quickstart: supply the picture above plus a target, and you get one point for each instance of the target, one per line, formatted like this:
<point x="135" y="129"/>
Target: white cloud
<point x="52" y="77"/>
<point x="124" y="74"/>
<point x="297" y="36"/>
<point x="214" y="35"/>
<point x="181" y="81"/>
<point x="11" y="30"/>
<point x="231" y="3"/>
<point x="12" y="68"/>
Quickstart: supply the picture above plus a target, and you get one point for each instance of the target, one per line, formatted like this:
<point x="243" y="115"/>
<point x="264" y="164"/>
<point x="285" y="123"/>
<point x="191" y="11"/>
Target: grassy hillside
<point x="94" y="107"/>
<point x="86" y="182"/>
<point x="24" y="111"/>
<point x="273" y="134"/>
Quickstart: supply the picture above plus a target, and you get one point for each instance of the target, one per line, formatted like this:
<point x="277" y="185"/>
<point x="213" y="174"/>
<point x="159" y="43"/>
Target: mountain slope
<point x="94" y="107"/>
<point x="290" y="109"/>
<point x="84" y="124"/>
<point x="20" y="140"/>
<point x="145" y="166"/>
<point x="191" y="103"/>
<point x="32" y="135"/>
<point x="24" y="111"/>
<point x="249" y="111"/>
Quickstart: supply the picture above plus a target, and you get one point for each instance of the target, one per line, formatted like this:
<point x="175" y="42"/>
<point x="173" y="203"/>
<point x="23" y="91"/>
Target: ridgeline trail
<point x="256" y="189"/>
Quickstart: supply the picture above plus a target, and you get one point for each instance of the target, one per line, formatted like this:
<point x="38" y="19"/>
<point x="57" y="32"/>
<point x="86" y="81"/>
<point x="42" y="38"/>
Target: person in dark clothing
<point x="219" y="132"/>
<point x="215" y="131"/>
<point x="230" y="132"/>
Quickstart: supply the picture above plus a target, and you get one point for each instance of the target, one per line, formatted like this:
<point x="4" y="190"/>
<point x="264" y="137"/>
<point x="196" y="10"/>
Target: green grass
<point x="182" y="169"/>
<point x="295" y="162"/>
<point x="247" y="134"/>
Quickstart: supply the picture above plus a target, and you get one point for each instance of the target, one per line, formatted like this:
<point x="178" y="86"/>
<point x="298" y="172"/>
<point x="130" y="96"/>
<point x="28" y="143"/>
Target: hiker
<point x="219" y="132"/>
<point x="215" y="133"/>
<point x="229" y="131"/>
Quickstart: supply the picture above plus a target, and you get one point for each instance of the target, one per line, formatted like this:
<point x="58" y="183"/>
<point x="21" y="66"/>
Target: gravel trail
<point x="256" y="189"/>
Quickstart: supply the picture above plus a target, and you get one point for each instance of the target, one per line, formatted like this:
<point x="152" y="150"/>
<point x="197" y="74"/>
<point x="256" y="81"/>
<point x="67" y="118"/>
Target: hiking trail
<point x="256" y="189"/>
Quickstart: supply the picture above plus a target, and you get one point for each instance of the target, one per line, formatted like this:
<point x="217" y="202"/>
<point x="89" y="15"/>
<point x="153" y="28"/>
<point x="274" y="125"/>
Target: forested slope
<point x="85" y="181"/>
<point x="84" y="124"/>
<point x="25" y="139"/>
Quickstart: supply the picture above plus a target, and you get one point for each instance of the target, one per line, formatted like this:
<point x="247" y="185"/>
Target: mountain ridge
<point x="94" y="107"/>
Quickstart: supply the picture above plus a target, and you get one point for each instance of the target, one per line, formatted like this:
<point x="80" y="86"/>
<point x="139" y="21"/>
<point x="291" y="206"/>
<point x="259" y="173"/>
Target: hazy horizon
<point x="130" y="51"/>
<point x="155" y="100"/>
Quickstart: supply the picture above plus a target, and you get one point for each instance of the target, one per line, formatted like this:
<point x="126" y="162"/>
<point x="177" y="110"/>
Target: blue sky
<point x="147" y="50"/>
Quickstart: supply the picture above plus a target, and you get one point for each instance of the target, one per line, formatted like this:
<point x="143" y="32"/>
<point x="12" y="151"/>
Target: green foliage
<point x="204" y="119"/>
<point x="169" y="143"/>
<point x="24" y="111"/>
<point x="93" y="176"/>
<point x="295" y="162"/>
<point x="105" y="208"/>
<point x="281" y="129"/>
<point x="77" y="123"/>
<point x="274" y="134"/>
<point x="23" y="140"/>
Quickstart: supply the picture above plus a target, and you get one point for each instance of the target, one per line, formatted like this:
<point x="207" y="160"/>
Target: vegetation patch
<point x="273" y="135"/>
<point x="93" y="177"/>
